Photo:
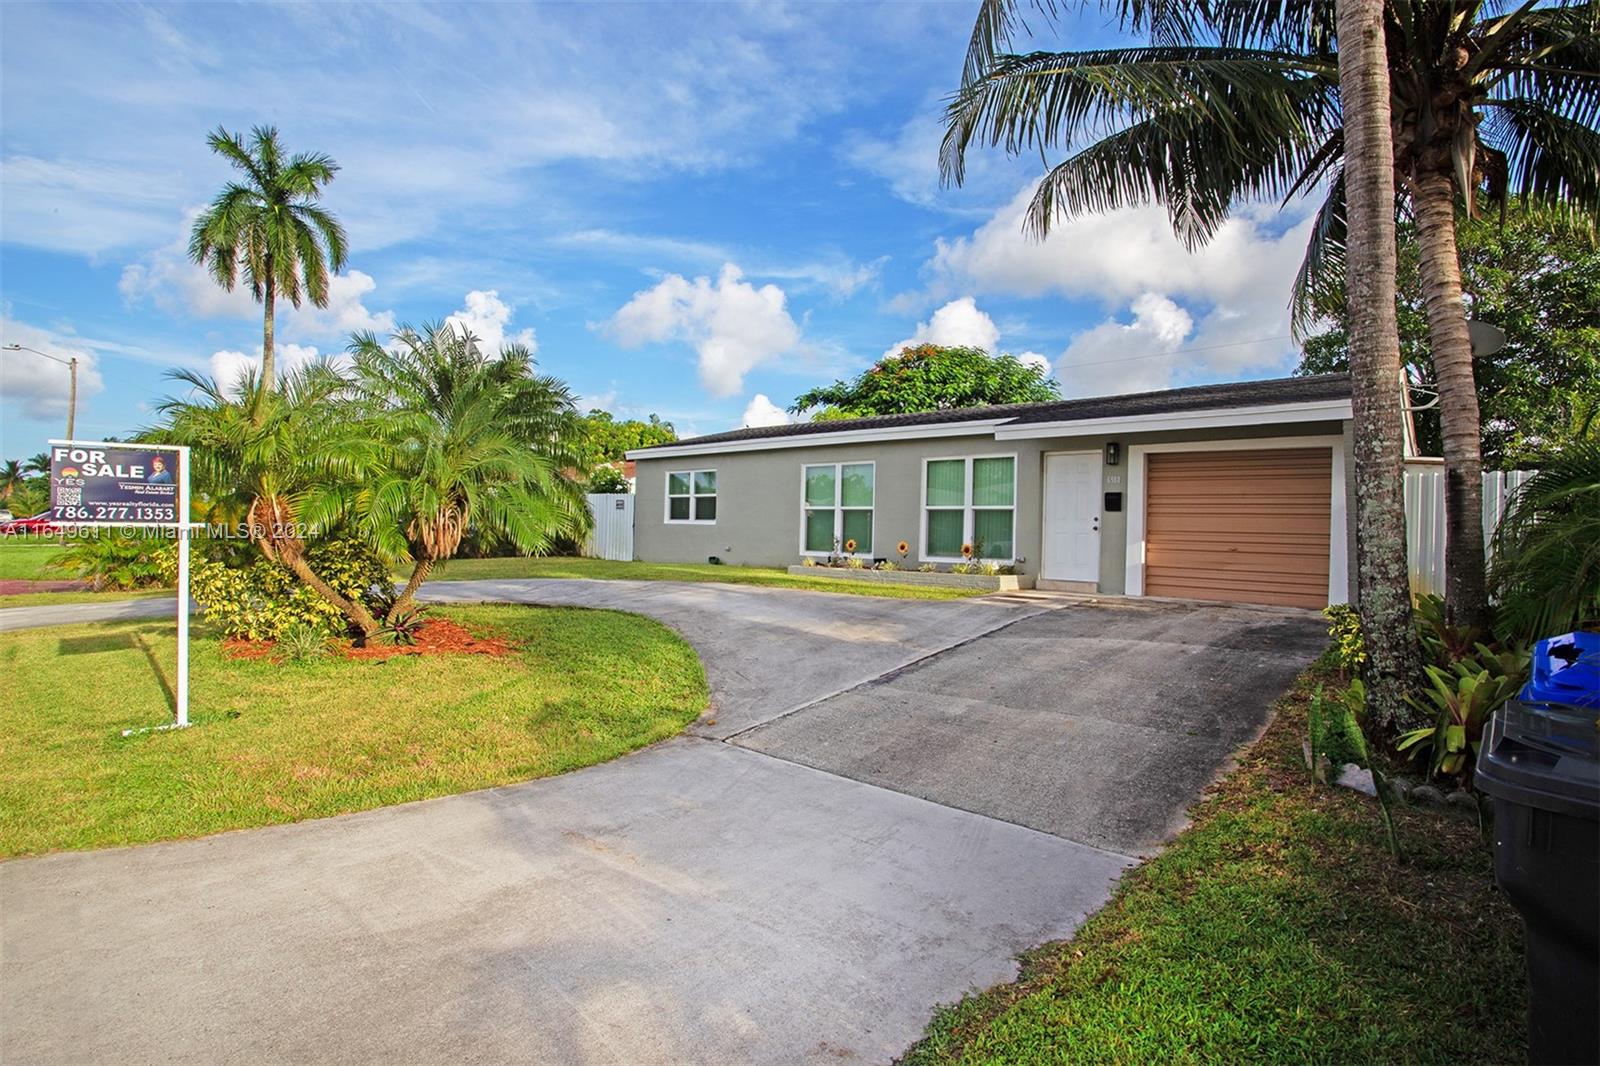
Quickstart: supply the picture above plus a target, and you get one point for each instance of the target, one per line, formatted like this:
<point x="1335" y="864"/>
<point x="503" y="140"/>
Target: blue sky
<point x="698" y="211"/>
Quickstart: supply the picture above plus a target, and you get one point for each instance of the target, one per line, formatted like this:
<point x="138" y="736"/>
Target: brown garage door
<point x="1248" y="526"/>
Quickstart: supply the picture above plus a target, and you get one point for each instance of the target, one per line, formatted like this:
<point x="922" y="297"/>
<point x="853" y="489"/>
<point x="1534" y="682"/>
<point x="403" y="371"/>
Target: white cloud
<point x="1232" y="294"/>
<point x="733" y="325"/>
<point x="486" y="316"/>
<point x="89" y="209"/>
<point x="229" y="367"/>
<point x="168" y="279"/>
<point x="1035" y="359"/>
<point x="958" y="323"/>
<point x="763" y="412"/>
<point x="422" y="153"/>
<point x="1115" y="357"/>
<point x="908" y="161"/>
<point x="40" y="386"/>
<point x="833" y="272"/>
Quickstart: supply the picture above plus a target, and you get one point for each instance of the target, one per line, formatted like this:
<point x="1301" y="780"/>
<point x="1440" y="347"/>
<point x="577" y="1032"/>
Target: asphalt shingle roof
<point x="1195" y="398"/>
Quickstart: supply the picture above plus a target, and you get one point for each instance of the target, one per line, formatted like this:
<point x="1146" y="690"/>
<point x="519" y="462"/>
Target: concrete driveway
<point x="702" y="900"/>
<point x="1095" y="723"/>
<point x="768" y="651"/>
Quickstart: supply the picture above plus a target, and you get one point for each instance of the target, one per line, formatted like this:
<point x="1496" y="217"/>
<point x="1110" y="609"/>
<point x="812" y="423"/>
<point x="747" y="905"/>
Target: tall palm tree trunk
<point x="269" y="368"/>
<point x="1433" y="199"/>
<point x="1383" y="589"/>
<point x="419" y="574"/>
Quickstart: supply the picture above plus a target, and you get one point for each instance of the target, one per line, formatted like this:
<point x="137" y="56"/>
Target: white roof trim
<point x="1262" y="415"/>
<point x="979" y="428"/>
<point x="1005" y="429"/>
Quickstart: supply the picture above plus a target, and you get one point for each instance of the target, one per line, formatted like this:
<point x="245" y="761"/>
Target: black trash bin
<point x="1540" y="763"/>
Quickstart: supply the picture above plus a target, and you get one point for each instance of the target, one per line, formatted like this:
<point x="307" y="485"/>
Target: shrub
<point x="886" y="565"/>
<point x="928" y="568"/>
<point x="1333" y="726"/>
<point x="1344" y="628"/>
<point x="1460" y="699"/>
<point x="608" y="479"/>
<point x="1337" y="732"/>
<point x="112" y="562"/>
<point x="302" y="643"/>
<point x="855" y="562"/>
<point x="261" y="601"/>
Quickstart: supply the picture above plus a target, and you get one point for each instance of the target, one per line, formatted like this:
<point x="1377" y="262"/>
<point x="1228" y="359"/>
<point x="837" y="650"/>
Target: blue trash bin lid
<point x="1566" y="670"/>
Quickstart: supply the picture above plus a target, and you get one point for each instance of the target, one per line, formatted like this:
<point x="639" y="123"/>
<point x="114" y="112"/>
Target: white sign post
<point x="112" y="485"/>
<point x="182" y="697"/>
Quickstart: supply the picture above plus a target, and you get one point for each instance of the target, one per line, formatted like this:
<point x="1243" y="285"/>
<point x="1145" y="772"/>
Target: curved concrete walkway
<point x="66" y="614"/>
<point x="696" y="901"/>
<point x="770" y="651"/>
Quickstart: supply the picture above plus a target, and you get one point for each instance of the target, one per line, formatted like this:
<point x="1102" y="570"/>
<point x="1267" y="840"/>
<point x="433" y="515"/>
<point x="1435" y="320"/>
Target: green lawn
<point x="607" y="570"/>
<point x="1276" y="929"/>
<point x="24" y="560"/>
<point x="278" y="743"/>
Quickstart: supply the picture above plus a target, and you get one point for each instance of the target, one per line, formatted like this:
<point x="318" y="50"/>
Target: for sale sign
<point x="114" y="484"/>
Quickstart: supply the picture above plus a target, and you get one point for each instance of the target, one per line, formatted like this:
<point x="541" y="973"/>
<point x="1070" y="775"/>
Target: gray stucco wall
<point x="759" y="495"/>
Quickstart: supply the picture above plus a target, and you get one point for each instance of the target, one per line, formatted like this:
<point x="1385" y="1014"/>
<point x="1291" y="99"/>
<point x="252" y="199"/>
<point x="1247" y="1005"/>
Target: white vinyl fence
<point x="1425" y="519"/>
<point x="612" y="537"/>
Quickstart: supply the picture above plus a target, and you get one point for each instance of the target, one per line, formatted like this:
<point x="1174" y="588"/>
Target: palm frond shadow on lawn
<point x="1276" y="928"/>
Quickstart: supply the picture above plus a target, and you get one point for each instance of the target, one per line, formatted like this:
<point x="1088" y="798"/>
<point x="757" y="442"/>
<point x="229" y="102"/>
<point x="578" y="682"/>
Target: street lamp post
<point x="72" y="389"/>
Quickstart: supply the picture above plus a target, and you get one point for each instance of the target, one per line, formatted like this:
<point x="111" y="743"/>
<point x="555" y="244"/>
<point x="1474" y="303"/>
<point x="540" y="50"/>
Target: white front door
<point x="1072" y="517"/>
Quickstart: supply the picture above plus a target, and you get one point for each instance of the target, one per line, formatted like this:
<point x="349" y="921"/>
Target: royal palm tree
<point x="270" y="224"/>
<point x="264" y="454"/>
<point x="1240" y="100"/>
<point x="468" y="442"/>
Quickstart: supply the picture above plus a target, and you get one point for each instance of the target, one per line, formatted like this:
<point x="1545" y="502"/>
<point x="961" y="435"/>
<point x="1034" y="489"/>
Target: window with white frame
<point x="837" y="508"/>
<point x="692" y="496"/>
<point x="972" y="501"/>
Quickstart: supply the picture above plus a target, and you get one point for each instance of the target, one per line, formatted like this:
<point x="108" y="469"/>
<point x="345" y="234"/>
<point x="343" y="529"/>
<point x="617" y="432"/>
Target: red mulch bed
<point x="18" y="587"/>
<point x="437" y="636"/>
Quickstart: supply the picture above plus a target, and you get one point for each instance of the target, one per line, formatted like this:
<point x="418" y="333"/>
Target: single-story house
<point x="1220" y="492"/>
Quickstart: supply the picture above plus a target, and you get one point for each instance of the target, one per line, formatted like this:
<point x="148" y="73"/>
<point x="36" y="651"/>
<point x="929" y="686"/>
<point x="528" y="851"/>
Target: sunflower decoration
<point x="903" y="548"/>
<point x="850" y="546"/>
<point x="966" y="551"/>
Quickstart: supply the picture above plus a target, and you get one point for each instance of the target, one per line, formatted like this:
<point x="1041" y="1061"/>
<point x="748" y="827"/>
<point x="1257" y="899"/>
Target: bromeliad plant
<point x="1460" y="700"/>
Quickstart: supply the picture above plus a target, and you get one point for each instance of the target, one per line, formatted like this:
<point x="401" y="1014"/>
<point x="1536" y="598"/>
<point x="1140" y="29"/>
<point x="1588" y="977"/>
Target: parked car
<point x="39" y="525"/>
<point x="6" y="516"/>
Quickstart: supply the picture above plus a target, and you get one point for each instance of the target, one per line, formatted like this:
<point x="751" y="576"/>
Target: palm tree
<point x="38" y="463"/>
<point x="11" y="478"/>
<point x="1241" y="100"/>
<point x="1383" y="589"/>
<point x="1546" y="572"/>
<point x="271" y="224"/>
<point x="468" y="442"/>
<point x="263" y="454"/>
